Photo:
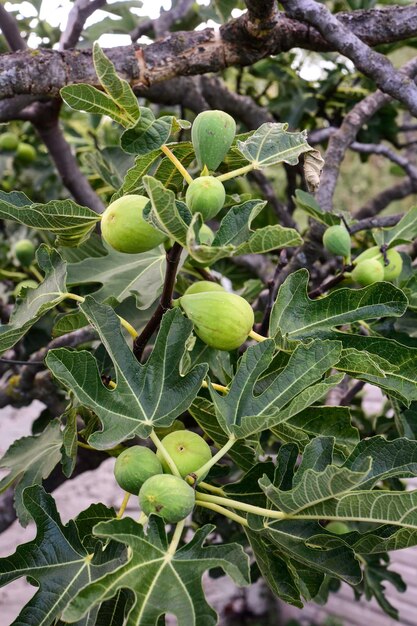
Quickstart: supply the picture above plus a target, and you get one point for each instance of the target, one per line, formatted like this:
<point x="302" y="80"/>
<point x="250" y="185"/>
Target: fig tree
<point x="188" y="450"/>
<point x="336" y="240"/>
<point x="205" y="195"/>
<point x="24" y="251"/>
<point x="368" y="272"/>
<point x="124" y="228"/>
<point x="9" y="141"/>
<point x="202" y="286"/>
<point x="168" y="496"/>
<point x="25" y="153"/>
<point x="338" y="528"/>
<point x="134" y="466"/>
<point x="222" y="320"/>
<point x="212" y="135"/>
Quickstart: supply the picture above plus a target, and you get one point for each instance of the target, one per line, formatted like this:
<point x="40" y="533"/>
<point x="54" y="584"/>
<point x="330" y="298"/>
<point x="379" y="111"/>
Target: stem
<point x="239" y="172"/>
<point x="36" y="273"/>
<point x="171" y="156"/>
<point x="215" y="386"/>
<point x="241" y="506"/>
<point x="173" y="259"/>
<point x="256" y="336"/>
<point x="205" y="468"/>
<point x="132" y="332"/>
<point x="143" y="518"/>
<point x="124" y="504"/>
<point x="219" y="509"/>
<point x="159" y="446"/>
<point x="329" y="284"/>
<point x="176" y="537"/>
<point x="12" y="275"/>
<point x="212" y="488"/>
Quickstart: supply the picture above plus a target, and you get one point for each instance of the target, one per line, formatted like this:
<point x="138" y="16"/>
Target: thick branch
<point x="379" y="202"/>
<point x="191" y="53"/>
<point x="372" y="64"/>
<point x="80" y="12"/>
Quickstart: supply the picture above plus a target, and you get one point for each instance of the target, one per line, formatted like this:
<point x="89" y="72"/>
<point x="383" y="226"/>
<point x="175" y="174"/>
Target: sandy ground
<point x="76" y="495"/>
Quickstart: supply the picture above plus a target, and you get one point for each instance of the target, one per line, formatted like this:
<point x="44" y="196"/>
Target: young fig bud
<point x="338" y="528"/>
<point x="124" y="228"/>
<point x="212" y="135"/>
<point x="205" y="195"/>
<point x="371" y="253"/>
<point x="202" y="286"/>
<point x="134" y="466"/>
<point x="368" y="272"/>
<point x="222" y="320"/>
<point x="24" y="251"/>
<point x="168" y="496"/>
<point x="395" y="265"/>
<point x="336" y="240"/>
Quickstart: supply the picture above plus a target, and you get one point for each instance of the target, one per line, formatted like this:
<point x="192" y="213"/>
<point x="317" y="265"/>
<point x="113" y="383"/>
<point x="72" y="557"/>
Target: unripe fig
<point x="395" y="265"/>
<point x="205" y="195"/>
<point x="8" y="141"/>
<point x="188" y="450"/>
<point x="29" y="284"/>
<point x="206" y="235"/>
<point x="222" y="320"/>
<point x="24" y="251"/>
<point x="134" y="466"/>
<point x="163" y="431"/>
<point x="212" y="135"/>
<point x="336" y="240"/>
<point x="202" y="286"/>
<point x="124" y="228"/>
<point x="25" y="153"/>
<point x="168" y="496"/>
<point x="338" y="528"/>
<point x="370" y="253"/>
<point x="368" y="272"/>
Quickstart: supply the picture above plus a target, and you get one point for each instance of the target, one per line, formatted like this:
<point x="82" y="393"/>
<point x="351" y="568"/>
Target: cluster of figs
<point x="140" y="471"/>
<point x="221" y="319"/>
<point x="23" y="152"/>
<point x="371" y="266"/>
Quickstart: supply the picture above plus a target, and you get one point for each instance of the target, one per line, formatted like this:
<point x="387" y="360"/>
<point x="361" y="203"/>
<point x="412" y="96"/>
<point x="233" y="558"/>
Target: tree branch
<point x="372" y="64"/>
<point x="379" y="202"/>
<point x="195" y="52"/>
<point x="164" y="22"/>
<point x="375" y="222"/>
<point x="80" y="12"/>
<point x="173" y="259"/>
<point x="10" y="30"/>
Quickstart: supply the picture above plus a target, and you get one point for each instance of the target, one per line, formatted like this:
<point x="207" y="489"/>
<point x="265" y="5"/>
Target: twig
<point x="272" y="292"/>
<point x="164" y="22"/>
<point x="173" y="259"/>
<point x="80" y="12"/>
<point x="346" y="400"/>
<point x="375" y="222"/>
<point x="315" y="293"/>
<point x="10" y="30"/>
<point x="379" y="202"/>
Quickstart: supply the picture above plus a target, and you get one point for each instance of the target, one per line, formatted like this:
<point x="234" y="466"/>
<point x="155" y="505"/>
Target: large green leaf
<point x="272" y="144"/>
<point x="296" y="316"/>
<point x="308" y="203"/>
<point x="161" y="582"/>
<point x="30" y="460"/>
<point x="403" y="232"/>
<point x="36" y="302"/>
<point x="57" y="559"/>
<point x="146" y="396"/>
<point x="165" y="213"/>
<point x="241" y="412"/>
<point x="148" y="134"/>
<point x="122" y="275"/>
<point x="70" y="222"/>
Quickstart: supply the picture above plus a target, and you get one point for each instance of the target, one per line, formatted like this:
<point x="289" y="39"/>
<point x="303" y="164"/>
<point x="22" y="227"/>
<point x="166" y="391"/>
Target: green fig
<point x="134" y="466"/>
<point x="202" y="286"/>
<point x="168" y="496"/>
<point x="9" y="141"/>
<point x="395" y="264"/>
<point x="212" y="135"/>
<point x="24" y="251"/>
<point x="24" y="284"/>
<point x="370" y="253"/>
<point x="205" y="195"/>
<point x="188" y="450"/>
<point x="336" y="240"/>
<point x="338" y="528"/>
<point x="368" y="272"/>
<point x="25" y="153"/>
<point x="222" y="320"/>
<point x="206" y="235"/>
<point x="124" y="228"/>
